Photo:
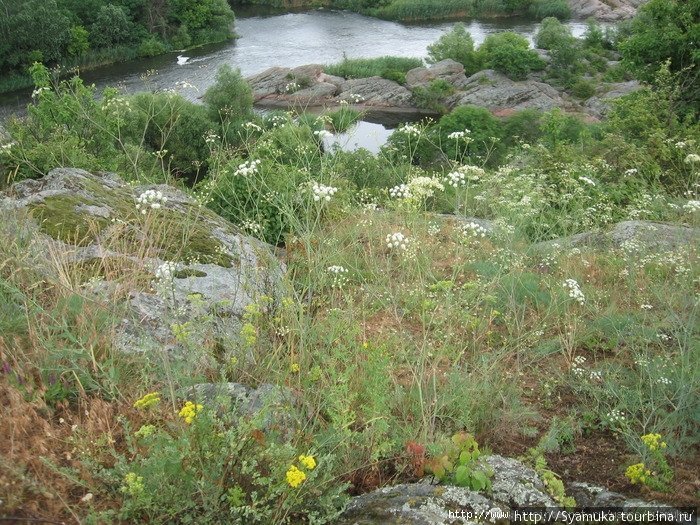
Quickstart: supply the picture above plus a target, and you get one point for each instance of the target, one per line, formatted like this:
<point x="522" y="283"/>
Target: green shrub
<point x="433" y="96"/>
<point x="151" y="47"/>
<point x="552" y="33"/>
<point x="229" y="99"/>
<point x="457" y="45"/>
<point x="583" y="89"/>
<point x="510" y="54"/>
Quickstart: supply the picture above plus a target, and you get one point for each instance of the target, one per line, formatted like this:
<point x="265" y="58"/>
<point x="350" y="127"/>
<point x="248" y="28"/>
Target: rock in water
<point x="177" y="259"/>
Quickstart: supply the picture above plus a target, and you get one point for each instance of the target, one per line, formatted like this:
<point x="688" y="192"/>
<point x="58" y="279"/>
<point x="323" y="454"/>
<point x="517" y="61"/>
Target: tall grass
<point x="389" y="67"/>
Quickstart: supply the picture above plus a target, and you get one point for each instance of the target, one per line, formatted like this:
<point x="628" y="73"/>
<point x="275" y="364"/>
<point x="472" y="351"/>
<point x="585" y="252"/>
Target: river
<point x="292" y="39"/>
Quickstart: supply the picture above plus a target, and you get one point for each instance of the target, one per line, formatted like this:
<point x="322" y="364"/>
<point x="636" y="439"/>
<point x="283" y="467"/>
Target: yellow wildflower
<point x="307" y="461"/>
<point x="133" y="484"/>
<point x="189" y="411"/>
<point x="653" y="441"/>
<point x="295" y="477"/>
<point x="148" y="401"/>
<point x="295" y="368"/>
<point x="637" y="473"/>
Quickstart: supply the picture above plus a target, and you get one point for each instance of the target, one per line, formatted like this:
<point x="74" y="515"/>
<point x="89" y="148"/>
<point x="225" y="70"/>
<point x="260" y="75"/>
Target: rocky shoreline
<point x="309" y="88"/>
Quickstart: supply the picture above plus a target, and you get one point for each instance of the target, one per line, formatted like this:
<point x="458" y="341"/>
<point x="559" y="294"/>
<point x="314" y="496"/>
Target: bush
<point x="552" y="34"/>
<point x="112" y="27"/>
<point x="391" y="68"/>
<point x="457" y="45"/>
<point x="151" y="47"/>
<point x="583" y="89"/>
<point x="433" y="96"/>
<point x="229" y="99"/>
<point x="510" y="54"/>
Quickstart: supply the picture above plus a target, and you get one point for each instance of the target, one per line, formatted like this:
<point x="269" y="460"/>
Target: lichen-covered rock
<point x="377" y="91"/>
<point x="657" y="236"/>
<point x="270" y="404"/>
<point x="417" y="504"/>
<point x="587" y="495"/>
<point x="194" y="259"/>
<point x="448" y="70"/>
<point x="604" y="10"/>
<point x="514" y="485"/>
<point x="599" y="105"/>
<point x="497" y="92"/>
<point x="517" y="485"/>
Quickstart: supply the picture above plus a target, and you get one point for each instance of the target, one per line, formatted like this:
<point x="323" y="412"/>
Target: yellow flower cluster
<point x="308" y="461"/>
<point x="295" y="368"/>
<point x="133" y="484"/>
<point x="637" y="473"/>
<point x="296" y="476"/>
<point x="148" y="401"/>
<point x="653" y="441"/>
<point x="189" y="411"/>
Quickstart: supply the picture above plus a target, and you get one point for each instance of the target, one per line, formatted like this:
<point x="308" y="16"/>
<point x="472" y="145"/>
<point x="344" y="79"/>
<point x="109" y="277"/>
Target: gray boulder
<point x="376" y="91"/>
<point x="599" y="105"/>
<point x="497" y="92"/>
<point x="448" y="70"/>
<point x="179" y="262"/>
<point x="514" y="485"/>
<point x="658" y="236"/>
<point x="604" y="10"/>
<point x="270" y="404"/>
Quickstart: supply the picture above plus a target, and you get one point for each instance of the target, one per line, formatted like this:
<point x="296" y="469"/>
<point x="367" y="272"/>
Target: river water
<point x="293" y="39"/>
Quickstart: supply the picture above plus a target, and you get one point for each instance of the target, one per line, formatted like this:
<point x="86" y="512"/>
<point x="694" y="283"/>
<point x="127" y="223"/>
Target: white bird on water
<point x="182" y="60"/>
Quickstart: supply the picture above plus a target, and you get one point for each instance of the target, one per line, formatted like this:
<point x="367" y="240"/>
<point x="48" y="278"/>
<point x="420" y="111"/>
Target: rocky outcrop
<point x="309" y="87"/>
<point x="604" y="10"/>
<point x="514" y="485"/>
<point x="599" y="104"/>
<point x="174" y="259"/>
<point x="658" y="236"/>
<point x="498" y="93"/>
<point x="448" y="70"/>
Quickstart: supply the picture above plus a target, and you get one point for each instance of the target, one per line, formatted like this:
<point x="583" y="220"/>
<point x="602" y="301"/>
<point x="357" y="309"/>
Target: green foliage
<point x="552" y="34"/>
<point x="552" y="482"/>
<point x="583" y="89"/>
<point x="550" y="8"/>
<point x="666" y="30"/>
<point x="460" y="465"/>
<point x="392" y="68"/>
<point x="433" y="96"/>
<point x="510" y="54"/>
<point x="79" y="44"/>
<point x="112" y="27"/>
<point x="217" y="468"/>
<point x="66" y="32"/>
<point x="342" y="119"/>
<point x="230" y="99"/>
<point x="457" y="45"/>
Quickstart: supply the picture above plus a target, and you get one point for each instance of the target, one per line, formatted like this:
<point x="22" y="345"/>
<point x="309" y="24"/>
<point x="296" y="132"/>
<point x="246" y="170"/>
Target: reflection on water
<point x="367" y="135"/>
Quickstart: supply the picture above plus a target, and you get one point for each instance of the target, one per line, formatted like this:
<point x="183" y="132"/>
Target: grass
<point x="391" y="68"/>
<point x="374" y="348"/>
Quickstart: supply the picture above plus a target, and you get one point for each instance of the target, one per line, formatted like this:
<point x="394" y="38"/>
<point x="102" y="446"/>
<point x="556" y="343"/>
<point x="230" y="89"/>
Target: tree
<point x="457" y="45"/>
<point x="202" y="17"/>
<point x="79" y="42"/>
<point x="664" y="29"/>
<point x="30" y="30"/>
<point x="112" y="27"/>
<point x="510" y="53"/>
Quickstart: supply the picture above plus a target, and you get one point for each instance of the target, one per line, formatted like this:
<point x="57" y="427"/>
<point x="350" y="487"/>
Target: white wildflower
<point x="323" y="193"/>
<point x="575" y="291"/>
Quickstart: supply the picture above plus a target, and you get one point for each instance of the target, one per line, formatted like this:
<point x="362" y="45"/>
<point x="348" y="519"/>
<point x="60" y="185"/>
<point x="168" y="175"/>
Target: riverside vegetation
<point x="78" y="33"/>
<point x="472" y="287"/>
